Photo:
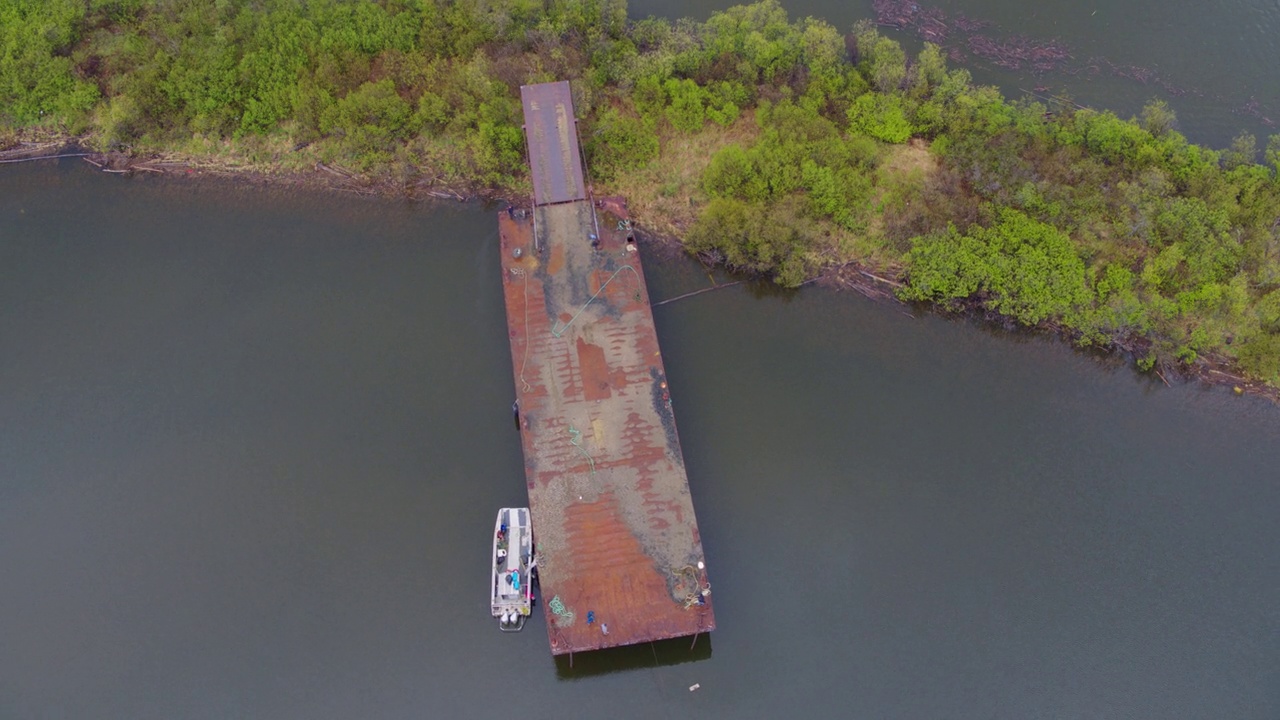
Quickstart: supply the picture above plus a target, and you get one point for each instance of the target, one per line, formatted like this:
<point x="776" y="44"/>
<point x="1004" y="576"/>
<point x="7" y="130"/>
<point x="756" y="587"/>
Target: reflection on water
<point x="662" y="653"/>
<point x="251" y="444"/>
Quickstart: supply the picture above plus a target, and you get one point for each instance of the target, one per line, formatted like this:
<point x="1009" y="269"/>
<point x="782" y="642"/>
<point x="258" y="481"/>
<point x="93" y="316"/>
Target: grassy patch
<point x="666" y="194"/>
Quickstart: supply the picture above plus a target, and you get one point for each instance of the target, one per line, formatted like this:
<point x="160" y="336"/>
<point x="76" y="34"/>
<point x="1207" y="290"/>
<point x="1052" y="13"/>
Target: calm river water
<point x="252" y="442"/>
<point x="1218" y="58"/>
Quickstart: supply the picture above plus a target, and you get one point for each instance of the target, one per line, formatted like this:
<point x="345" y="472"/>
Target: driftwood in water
<point x="1046" y="98"/>
<point x="883" y="280"/>
<point x="43" y="157"/>
<point x="344" y="174"/>
<point x="696" y="292"/>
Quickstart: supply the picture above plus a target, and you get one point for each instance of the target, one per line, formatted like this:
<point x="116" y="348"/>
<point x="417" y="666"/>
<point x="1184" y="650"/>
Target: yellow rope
<point x="701" y="589"/>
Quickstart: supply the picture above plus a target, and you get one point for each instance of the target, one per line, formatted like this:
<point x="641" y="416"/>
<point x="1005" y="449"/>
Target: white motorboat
<point x="511" y="588"/>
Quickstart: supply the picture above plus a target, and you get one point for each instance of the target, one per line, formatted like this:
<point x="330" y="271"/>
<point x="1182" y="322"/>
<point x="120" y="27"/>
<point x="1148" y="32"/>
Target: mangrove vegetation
<point x="781" y="147"/>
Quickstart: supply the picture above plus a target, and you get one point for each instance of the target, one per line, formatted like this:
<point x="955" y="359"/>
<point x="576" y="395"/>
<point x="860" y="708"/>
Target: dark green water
<point x="251" y="444"/>
<point x="1218" y="56"/>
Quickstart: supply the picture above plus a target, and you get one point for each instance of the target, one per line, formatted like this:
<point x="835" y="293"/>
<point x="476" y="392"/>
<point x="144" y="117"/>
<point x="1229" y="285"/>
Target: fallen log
<point x="696" y="292"/>
<point x="43" y="157"/>
<point x="883" y="280"/>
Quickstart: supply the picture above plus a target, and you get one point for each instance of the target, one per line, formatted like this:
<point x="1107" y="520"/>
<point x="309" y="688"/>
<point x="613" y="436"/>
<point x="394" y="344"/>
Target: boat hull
<point x="513" y="566"/>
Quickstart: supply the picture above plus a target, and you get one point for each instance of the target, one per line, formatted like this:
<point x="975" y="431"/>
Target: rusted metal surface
<point x="551" y="135"/>
<point x="614" y="524"/>
<point x="619" y="555"/>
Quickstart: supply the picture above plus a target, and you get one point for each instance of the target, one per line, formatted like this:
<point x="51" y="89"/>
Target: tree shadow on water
<point x="660" y="653"/>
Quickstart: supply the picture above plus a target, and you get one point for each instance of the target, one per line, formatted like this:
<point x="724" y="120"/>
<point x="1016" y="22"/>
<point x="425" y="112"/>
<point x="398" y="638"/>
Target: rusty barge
<point x="618" y="551"/>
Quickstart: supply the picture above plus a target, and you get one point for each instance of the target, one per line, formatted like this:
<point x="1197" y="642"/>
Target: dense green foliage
<point x="37" y="80"/>
<point x="810" y="148"/>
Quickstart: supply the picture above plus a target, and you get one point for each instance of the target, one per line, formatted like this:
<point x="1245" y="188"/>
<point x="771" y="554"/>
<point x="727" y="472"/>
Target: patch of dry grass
<point x="666" y="195"/>
<point x="901" y="173"/>
<point x="910" y="157"/>
<point x="900" y="168"/>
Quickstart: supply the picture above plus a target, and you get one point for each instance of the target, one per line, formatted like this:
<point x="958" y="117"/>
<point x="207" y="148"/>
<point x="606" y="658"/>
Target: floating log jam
<point x="959" y="37"/>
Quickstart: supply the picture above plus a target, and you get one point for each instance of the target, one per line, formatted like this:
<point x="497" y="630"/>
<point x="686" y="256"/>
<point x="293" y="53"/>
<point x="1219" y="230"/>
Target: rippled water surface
<point x="252" y="442"/>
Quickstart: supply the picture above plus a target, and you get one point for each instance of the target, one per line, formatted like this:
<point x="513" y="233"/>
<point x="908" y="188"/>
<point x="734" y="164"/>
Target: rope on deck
<point x="560" y="332"/>
<point x="556" y="605"/>
<point x="575" y="439"/>
<point x="701" y="589"/>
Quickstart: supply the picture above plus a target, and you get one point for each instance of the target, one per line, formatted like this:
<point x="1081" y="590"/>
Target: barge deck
<point x="620" y="559"/>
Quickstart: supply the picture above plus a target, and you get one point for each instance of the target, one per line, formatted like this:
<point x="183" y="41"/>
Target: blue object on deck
<point x="591" y="616"/>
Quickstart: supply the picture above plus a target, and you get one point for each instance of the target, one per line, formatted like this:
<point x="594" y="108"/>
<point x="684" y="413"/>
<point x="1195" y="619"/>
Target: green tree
<point x="37" y="82"/>
<point x="1021" y="267"/>
<point x="1158" y="118"/>
<point x="1273" y="153"/>
<point x="881" y="60"/>
<point x="733" y="172"/>
<point x="1243" y="151"/>
<point x="763" y="239"/>
<point x="619" y="142"/>
<point x="687" y="109"/>
<point x="881" y="116"/>
<point x="929" y="71"/>
<point x="369" y="120"/>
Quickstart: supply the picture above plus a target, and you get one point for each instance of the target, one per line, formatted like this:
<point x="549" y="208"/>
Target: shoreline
<point x="321" y="177"/>
<point x="866" y="280"/>
<point x="782" y="149"/>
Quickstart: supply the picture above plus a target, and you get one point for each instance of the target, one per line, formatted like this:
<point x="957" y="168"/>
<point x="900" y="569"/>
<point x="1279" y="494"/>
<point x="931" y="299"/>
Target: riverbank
<point x="320" y="176"/>
<point x="877" y="281"/>
<point x="779" y="149"/>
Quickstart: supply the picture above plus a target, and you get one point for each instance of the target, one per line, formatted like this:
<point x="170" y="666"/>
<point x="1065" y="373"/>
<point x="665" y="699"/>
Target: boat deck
<point x="617" y="540"/>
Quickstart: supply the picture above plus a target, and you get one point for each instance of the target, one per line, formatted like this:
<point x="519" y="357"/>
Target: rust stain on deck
<point x="616" y="534"/>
